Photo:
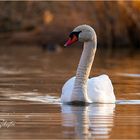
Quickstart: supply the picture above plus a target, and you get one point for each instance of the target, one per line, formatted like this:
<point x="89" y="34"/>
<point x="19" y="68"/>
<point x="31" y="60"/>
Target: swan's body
<point x="80" y="88"/>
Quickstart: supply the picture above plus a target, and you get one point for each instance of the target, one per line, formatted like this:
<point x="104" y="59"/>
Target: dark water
<point x="30" y="87"/>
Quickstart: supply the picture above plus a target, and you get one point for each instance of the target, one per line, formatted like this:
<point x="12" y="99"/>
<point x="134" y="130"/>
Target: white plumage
<point x="100" y="90"/>
<point x="80" y="88"/>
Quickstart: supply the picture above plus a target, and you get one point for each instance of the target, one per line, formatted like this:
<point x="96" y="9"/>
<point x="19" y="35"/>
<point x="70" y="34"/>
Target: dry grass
<point x="116" y="23"/>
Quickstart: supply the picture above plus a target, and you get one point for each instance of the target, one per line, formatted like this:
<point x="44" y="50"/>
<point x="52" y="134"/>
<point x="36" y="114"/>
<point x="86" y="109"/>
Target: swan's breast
<point x="67" y="90"/>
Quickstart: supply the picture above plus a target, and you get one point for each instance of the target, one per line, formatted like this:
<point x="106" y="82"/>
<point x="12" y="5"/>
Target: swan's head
<point x="82" y="33"/>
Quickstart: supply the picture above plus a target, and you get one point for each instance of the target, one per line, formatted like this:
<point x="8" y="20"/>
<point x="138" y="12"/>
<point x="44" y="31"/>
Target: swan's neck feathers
<point x="80" y="86"/>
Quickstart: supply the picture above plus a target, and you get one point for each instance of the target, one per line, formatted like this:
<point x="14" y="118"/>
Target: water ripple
<point x="43" y="99"/>
<point x="129" y="74"/>
<point x="56" y="100"/>
<point x="128" y="102"/>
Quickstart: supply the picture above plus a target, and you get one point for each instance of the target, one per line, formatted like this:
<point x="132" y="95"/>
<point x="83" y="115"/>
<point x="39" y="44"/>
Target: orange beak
<point x="71" y="41"/>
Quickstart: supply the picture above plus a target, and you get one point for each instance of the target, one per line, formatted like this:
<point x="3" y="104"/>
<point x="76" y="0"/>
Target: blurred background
<point x="34" y="65"/>
<point x="49" y="23"/>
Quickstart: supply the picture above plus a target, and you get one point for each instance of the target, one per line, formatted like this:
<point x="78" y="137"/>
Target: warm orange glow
<point x="136" y="4"/>
<point x="48" y="17"/>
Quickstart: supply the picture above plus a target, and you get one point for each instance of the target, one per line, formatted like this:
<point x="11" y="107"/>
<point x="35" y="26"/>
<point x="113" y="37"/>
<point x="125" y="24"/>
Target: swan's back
<point x="100" y="89"/>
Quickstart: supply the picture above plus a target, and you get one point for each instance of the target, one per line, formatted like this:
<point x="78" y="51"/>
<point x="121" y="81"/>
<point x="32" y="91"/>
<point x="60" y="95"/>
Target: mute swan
<point x="80" y="89"/>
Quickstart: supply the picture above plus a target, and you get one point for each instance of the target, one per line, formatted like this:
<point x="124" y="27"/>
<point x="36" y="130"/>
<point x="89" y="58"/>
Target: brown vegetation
<point x="116" y="23"/>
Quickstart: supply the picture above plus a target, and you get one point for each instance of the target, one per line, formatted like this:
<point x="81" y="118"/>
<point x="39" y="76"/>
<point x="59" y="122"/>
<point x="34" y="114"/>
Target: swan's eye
<point x="72" y="34"/>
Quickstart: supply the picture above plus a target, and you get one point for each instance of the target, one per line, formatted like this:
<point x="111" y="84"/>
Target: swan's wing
<point x="67" y="90"/>
<point x="100" y="89"/>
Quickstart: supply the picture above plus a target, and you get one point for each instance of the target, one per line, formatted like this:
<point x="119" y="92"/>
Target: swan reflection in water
<point x="93" y="121"/>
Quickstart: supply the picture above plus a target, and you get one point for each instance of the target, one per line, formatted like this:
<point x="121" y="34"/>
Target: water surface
<point x="30" y="87"/>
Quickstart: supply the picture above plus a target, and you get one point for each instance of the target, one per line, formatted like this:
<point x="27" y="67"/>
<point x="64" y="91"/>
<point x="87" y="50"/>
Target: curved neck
<point x="83" y="71"/>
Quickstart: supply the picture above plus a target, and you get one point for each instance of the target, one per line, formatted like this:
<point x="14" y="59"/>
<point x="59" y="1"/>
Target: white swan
<point x="80" y="89"/>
